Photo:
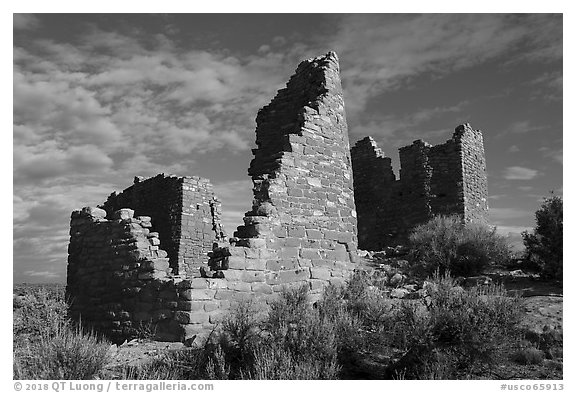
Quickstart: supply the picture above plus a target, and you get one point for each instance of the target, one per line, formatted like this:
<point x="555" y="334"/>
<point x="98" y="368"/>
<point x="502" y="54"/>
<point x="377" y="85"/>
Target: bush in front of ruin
<point x="447" y="244"/>
<point x="47" y="345"/>
<point x="456" y="334"/>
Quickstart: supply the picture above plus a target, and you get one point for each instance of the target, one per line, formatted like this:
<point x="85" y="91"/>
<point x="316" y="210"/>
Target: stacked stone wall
<point x="301" y="229"/>
<point x="373" y="183"/>
<point x="448" y="178"/>
<point x="475" y="185"/>
<point x="302" y="226"/>
<point x="119" y="282"/>
<point x="156" y="257"/>
<point x="186" y="215"/>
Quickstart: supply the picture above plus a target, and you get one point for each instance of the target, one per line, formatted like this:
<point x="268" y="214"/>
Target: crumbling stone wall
<point x="119" y="281"/>
<point x="156" y="255"/>
<point x="449" y="178"/>
<point x="186" y="215"/>
<point x="301" y="229"/>
<point x="302" y="226"/>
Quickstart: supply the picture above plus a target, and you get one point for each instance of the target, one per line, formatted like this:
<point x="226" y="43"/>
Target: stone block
<point x="123" y="214"/>
<point x="316" y="284"/>
<point x="217" y="283"/>
<point x="161" y="264"/>
<point x="256" y="264"/>
<point x="278" y="264"/>
<point x="197" y="294"/>
<point x="236" y="262"/>
<point x="320" y="273"/>
<point x="253" y="276"/>
<point x="199" y="283"/>
<point x="309" y="253"/>
<point x="261" y="287"/>
<point x="287" y="276"/>
<point x="211" y="306"/>
<point x="233" y="274"/>
<point x="94" y="212"/>
<point x="314" y="234"/>
<point x="253" y="253"/>
<point x="239" y="286"/>
<point x="289" y="252"/>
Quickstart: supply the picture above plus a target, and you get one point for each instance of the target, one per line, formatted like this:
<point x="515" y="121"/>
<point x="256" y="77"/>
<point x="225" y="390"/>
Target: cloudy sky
<point x="99" y="99"/>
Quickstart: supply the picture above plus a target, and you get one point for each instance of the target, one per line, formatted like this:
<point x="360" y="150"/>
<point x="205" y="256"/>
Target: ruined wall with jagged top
<point x="186" y="215"/>
<point x="448" y="178"/>
<point x="302" y="226"/>
<point x="149" y="263"/>
<point x="155" y="255"/>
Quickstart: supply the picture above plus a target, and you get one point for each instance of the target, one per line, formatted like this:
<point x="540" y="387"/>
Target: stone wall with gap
<point x="119" y="282"/>
<point x="448" y="178"/>
<point x="301" y="229"/>
<point x="156" y="259"/>
<point x="186" y="215"/>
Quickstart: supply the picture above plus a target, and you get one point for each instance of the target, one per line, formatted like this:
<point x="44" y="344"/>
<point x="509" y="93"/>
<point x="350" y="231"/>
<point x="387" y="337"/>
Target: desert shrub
<point x="456" y="330"/>
<point x="300" y="343"/>
<point x="276" y="362"/>
<point x="334" y="307"/>
<point x="180" y="365"/>
<point x="39" y="312"/>
<point x="445" y="243"/>
<point x="65" y="353"/>
<point x="544" y="245"/>
<point x="238" y="340"/>
<point x="47" y="345"/>
<point x="529" y="355"/>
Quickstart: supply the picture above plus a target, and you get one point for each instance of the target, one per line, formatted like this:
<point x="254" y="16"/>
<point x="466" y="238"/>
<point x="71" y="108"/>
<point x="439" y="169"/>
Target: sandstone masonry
<point x="302" y="226"/>
<point x="449" y="178"/>
<point x="140" y="260"/>
<point x="186" y="215"/>
<point x="155" y="258"/>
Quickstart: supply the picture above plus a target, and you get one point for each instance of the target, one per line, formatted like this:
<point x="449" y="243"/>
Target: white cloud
<point x="519" y="173"/>
<point x="48" y="160"/>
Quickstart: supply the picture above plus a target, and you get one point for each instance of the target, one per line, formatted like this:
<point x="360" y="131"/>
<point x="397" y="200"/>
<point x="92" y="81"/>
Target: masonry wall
<point x="186" y="215"/>
<point x="449" y="178"/>
<point x="301" y="229"/>
<point x="302" y="226"/>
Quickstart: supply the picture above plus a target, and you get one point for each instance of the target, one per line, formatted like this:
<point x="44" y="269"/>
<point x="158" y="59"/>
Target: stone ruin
<point x="449" y="178"/>
<point x="155" y="257"/>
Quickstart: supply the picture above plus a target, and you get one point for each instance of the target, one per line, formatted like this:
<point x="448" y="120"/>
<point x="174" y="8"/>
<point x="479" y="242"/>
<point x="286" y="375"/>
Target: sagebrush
<point x="447" y="244"/>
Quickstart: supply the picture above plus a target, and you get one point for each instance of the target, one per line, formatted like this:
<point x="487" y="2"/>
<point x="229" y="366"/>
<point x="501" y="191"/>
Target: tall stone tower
<point x="302" y="174"/>
<point x="302" y="226"/>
